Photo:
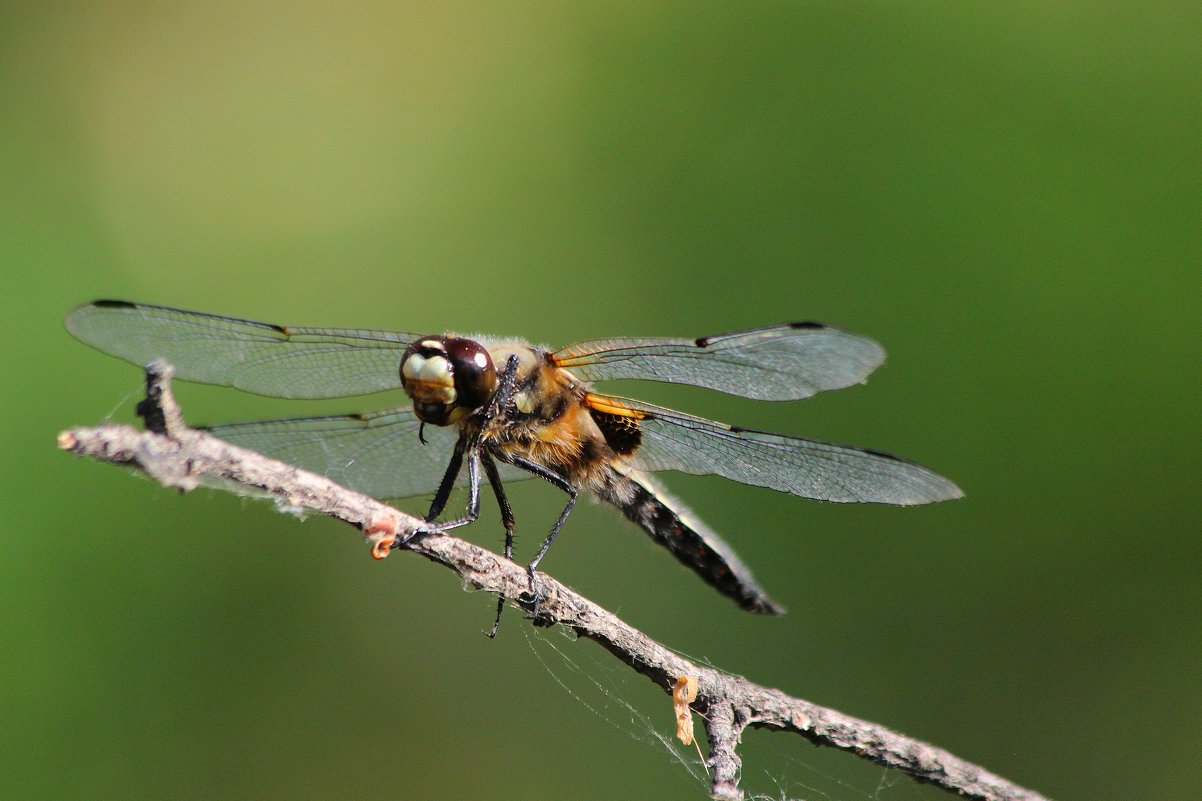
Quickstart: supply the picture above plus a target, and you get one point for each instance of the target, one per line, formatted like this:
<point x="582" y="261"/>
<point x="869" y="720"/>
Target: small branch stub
<point x="158" y="410"/>
<point x="178" y="456"/>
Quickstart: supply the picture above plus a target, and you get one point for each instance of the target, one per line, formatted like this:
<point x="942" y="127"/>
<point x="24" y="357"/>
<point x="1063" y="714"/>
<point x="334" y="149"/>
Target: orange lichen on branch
<point x="381" y="532"/>
<point x="683" y="694"/>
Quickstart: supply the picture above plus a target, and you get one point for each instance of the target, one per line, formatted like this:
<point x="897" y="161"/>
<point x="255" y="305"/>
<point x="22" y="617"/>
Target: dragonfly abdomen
<point x="669" y="523"/>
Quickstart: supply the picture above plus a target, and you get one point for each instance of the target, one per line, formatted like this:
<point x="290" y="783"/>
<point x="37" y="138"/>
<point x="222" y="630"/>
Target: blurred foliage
<point x="1006" y="196"/>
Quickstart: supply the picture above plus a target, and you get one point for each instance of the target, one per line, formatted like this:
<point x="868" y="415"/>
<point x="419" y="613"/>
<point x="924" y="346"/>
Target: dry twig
<point x="178" y="456"/>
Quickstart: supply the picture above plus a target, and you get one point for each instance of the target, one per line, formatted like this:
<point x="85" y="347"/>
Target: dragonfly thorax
<point x="447" y="378"/>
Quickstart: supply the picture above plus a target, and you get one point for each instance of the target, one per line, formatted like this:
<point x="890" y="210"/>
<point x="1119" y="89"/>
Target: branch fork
<point x="178" y="456"/>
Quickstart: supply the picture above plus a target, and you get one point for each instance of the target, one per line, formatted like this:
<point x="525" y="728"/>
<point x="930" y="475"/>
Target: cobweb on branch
<point x="797" y="771"/>
<point x="601" y="688"/>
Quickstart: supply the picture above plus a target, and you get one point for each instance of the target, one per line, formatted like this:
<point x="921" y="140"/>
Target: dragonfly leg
<point x="494" y="479"/>
<point x="556" y="480"/>
<point x="448" y="481"/>
<point x="500" y="398"/>
<point x="473" y="503"/>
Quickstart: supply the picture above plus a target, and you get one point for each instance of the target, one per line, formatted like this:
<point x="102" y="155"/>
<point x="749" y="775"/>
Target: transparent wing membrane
<point x="378" y="454"/>
<point x="809" y="468"/>
<point x="782" y="362"/>
<point x="263" y="358"/>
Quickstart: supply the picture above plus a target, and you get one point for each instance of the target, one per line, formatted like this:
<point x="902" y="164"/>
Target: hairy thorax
<point x="547" y="420"/>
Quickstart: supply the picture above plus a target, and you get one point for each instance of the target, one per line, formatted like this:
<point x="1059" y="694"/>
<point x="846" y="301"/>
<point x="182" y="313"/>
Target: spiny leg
<point x="473" y="497"/>
<point x="494" y="478"/>
<point x="501" y="396"/>
<point x="562" y="483"/>
<point x="496" y="406"/>
<point x="383" y="546"/>
<point x="473" y="502"/>
<point x="448" y="481"/>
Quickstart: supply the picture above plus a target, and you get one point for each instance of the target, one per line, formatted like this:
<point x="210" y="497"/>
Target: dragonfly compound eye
<point x="475" y="375"/>
<point x="447" y="377"/>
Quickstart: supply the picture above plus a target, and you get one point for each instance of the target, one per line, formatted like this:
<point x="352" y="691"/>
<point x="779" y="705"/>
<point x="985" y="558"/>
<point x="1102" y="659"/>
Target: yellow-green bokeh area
<point x="1007" y="197"/>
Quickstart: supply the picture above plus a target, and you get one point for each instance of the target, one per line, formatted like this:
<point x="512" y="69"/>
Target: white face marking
<point x="436" y="370"/>
<point x="413" y="366"/>
<point x="433" y="344"/>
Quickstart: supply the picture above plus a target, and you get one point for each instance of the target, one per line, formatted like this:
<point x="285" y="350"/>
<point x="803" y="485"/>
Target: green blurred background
<point x="1008" y="197"/>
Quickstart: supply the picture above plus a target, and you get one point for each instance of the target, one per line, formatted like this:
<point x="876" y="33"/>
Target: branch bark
<point x="178" y="456"/>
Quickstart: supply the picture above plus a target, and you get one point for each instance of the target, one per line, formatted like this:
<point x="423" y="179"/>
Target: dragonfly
<point x="511" y="410"/>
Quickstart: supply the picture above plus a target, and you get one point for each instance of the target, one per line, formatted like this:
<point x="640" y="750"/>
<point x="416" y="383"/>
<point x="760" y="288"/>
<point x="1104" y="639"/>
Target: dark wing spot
<point x="113" y="304"/>
<point x="621" y="432"/>
<point x="883" y="455"/>
<point x="702" y="342"/>
<point x="807" y="324"/>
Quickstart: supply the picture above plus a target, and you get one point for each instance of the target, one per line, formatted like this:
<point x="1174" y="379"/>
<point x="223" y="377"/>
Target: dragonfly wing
<point x="781" y="362"/>
<point x="263" y="358"/>
<point x="377" y="453"/>
<point x="810" y="468"/>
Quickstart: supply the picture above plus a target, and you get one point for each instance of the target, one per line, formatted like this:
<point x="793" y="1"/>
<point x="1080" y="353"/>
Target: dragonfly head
<point x="447" y="378"/>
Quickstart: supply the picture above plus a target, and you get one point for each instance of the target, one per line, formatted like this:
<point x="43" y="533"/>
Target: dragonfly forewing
<point x="263" y="358"/>
<point x="780" y="362"/>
